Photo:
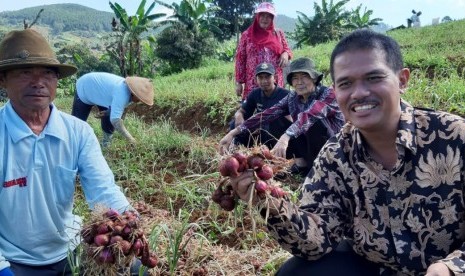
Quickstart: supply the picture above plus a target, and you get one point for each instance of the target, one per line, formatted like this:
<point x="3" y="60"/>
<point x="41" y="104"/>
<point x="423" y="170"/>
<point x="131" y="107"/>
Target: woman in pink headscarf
<point x="261" y="42"/>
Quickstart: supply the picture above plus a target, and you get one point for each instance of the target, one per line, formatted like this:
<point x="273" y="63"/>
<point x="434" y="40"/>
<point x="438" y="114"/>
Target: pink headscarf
<point x="265" y="38"/>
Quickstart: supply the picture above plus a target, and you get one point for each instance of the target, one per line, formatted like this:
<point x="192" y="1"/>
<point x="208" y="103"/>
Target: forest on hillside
<point x="68" y="18"/>
<point x="60" y="18"/>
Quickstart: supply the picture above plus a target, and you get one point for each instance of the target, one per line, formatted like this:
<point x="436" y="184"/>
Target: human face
<point x="264" y="20"/>
<point x="134" y="99"/>
<point x="368" y="90"/>
<point x="30" y="89"/>
<point x="266" y="82"/>
<point x="303" y="84"/>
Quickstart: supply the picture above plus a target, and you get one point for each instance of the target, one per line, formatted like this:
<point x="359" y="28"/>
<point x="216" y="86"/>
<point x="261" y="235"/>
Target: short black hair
<point x="364" y="39"/>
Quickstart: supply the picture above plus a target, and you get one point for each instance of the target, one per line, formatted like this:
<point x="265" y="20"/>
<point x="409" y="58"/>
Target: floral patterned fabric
<point x="404" y="219"/>
<point x="249" y="55"/>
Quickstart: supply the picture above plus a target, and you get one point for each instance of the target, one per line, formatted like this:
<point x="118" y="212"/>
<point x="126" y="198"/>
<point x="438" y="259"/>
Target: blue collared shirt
<point x="38" y="176"/>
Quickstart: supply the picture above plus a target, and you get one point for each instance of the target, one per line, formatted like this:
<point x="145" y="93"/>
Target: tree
<point x="127" y="47"/>
<point x="239" y="13"/>
<point x="149" y="57"/>
<point x="182" y="49"/>
<point x="328" y="24"/>
<point x="84" y="59"/>
<point x="193" y="24"/>
<point x="358" y="20"/>
<point x="196" y="15"/>
<point x="446" y="19"/>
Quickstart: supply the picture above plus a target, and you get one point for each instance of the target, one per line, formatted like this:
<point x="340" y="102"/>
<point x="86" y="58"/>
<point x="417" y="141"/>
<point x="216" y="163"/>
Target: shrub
<point x="182" y="49"/>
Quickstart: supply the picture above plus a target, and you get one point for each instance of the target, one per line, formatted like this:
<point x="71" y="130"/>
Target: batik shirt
<point x="249" y="55"/>
<point x="321" y="105"/>
<point x="404" y="219"/>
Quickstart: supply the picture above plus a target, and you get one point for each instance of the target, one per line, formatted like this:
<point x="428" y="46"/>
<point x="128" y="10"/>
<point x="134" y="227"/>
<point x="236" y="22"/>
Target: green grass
<point x="437" y="52"/>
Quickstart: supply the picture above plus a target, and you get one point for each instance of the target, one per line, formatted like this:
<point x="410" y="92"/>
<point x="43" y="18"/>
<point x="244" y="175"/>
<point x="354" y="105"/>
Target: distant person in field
<point x="314" y="111"/>
<point x="261" y="98"/>
<point x="111" y="94"/>
<point x="414" y="20"/>
<point x="43" y="151"/>
<point x="386" y="194"/>
<point x="261" y="42"/>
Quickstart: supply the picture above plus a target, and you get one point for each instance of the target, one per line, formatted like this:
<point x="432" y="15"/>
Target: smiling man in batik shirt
<point x="390" y="184"/>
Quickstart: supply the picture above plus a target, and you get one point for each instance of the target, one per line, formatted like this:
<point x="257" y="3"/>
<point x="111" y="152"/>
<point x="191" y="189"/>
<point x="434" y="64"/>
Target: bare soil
<point x="192" y="120"/>
<point x="238" y="252"/>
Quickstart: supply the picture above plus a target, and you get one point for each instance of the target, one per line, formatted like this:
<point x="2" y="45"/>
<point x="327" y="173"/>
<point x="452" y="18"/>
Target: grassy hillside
<point x="435" y="55"/>
<point x="61" y="18"/>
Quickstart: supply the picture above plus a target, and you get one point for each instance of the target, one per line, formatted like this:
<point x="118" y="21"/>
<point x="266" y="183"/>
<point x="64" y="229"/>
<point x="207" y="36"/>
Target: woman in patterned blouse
<point x="261" y="42"/>
<point x="314" y="111"/>
<point x="390" y="184"/>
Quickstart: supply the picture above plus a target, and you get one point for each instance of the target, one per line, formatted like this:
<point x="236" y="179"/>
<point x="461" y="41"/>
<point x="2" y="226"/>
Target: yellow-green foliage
<point x="205" y="85"/>
<point x="211" y="86"/>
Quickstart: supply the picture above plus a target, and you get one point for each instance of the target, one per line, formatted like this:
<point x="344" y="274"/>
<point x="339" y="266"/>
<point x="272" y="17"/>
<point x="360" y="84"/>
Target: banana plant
<point x="128" y="31"/>
<point x="196" y="15"/>
<point x="359" y="19"/>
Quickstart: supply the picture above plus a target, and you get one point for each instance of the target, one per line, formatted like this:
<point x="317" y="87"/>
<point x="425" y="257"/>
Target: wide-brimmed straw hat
<point x="266" y="7"/>
<point x="304" y="65"/>
<point x="142" y="88"/>
<point x="27" y="48"/>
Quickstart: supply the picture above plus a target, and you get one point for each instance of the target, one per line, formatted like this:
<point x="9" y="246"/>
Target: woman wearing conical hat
<point x="111" y="94"/>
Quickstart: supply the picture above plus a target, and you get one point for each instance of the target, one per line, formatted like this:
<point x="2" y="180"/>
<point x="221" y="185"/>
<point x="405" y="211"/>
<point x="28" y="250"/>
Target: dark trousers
<point x="342" y="261"/>
<point x="306" y="146"/>
<point x="266" y="136"/>
<point x="61" y="268"/>
<point x="56" y="269"/>
<point x="82" y="110"/>
<point x="309" y="144"/>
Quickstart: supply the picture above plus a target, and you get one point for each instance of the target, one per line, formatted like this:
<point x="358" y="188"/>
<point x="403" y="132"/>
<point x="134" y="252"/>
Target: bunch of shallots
<point x="265" y="167"/>
<point x="114" y="239"/>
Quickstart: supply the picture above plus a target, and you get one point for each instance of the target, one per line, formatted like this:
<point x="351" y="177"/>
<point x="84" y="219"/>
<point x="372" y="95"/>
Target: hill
<point x="60" y="18"/>
<point x="285" y="23"/>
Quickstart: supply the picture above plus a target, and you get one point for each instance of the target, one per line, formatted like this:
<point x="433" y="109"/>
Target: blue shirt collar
<point x="18" y="129"/>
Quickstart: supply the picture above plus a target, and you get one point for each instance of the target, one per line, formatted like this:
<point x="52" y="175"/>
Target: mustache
<point x="361" y="102"/>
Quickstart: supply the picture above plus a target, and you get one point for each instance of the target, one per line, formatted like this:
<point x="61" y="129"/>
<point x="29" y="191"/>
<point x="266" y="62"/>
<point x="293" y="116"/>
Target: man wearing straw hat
<point x="111" y="94"/>
<point x="43" y="149"/>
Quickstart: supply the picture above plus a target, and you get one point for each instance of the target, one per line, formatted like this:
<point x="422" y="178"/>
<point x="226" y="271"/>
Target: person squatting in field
<point x="111" y="94"/>
<point x="265" y="96"/>
<point x="385" y="195"/>
<point x="314" y="111"/>
<point x="43" y="150"/>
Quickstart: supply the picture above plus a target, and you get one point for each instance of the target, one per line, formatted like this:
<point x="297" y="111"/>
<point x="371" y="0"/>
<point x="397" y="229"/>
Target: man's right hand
<point x="243" y="186"/>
